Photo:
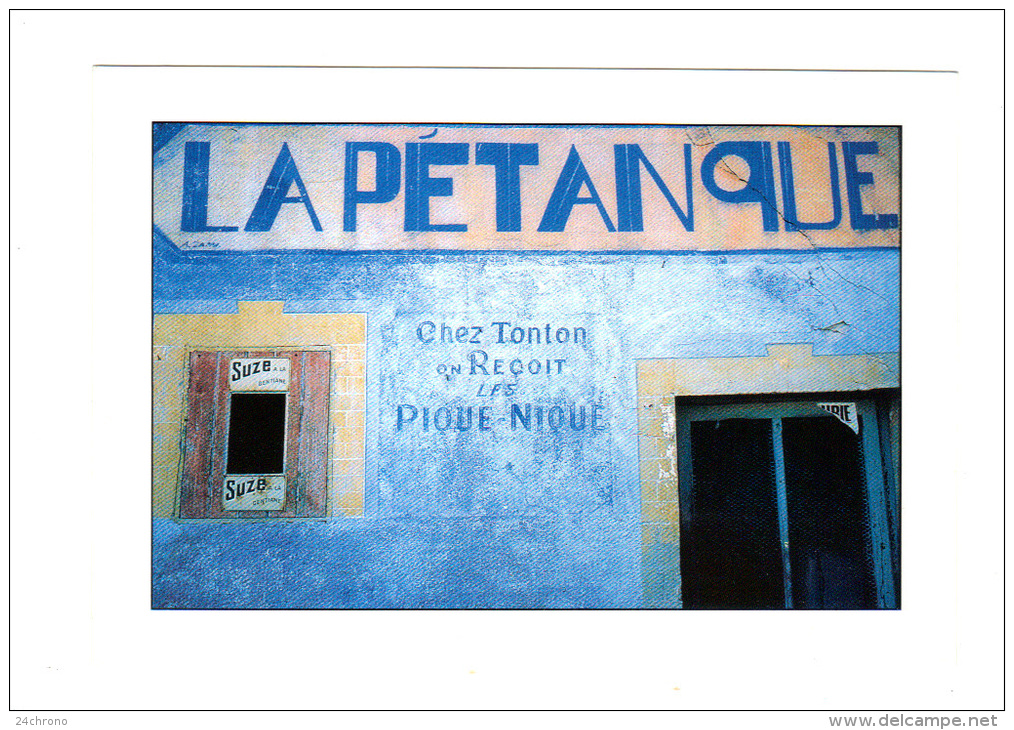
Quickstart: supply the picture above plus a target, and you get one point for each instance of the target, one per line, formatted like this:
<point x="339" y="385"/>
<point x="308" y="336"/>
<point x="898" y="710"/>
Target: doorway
<point x="784" y="504"/>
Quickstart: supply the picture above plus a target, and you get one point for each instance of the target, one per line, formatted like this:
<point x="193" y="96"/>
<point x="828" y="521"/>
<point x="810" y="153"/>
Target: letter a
<point x="567" y="194"/>
<point x="276" y="191"/>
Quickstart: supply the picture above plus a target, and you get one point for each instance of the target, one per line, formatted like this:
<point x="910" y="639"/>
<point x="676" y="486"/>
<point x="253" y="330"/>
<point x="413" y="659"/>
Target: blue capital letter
<point x="760" y="186"/>
<point x="420" y="187"/>
<point x="853" y="179"/>
<point x="388" y="177"/>
<point x="629" y="211"/>
<point x="567" y="194"/>
<point x="276" y="191"/>
<point x="792" y="222"/>
<point x="196" y="164"/>
<point x="507" y="160"/>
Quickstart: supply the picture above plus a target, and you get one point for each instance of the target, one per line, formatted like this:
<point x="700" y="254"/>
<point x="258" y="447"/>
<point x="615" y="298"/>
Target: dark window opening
<point x="256" y="433"/>
<point x="235" y="430"/>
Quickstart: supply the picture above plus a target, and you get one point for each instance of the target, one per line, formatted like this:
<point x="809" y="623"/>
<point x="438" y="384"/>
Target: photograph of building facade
<point x="510" y="366"/>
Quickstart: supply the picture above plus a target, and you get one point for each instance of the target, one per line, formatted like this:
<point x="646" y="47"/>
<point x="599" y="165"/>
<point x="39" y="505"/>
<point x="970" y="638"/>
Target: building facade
<point x="481" y="366"/>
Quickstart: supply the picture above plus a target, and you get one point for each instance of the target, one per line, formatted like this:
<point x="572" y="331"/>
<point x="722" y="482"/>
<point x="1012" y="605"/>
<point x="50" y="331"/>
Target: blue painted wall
<point x="501" y="517"/>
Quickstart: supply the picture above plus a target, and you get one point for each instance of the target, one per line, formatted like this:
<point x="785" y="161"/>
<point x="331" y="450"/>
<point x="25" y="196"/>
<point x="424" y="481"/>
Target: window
<point x="785" y="505"/>
<point x="256" y="433"/>
<point x="256" y="436"/>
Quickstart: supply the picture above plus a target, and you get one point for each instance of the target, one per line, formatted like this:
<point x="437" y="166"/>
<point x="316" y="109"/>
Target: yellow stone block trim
<point x="257" y="325"/>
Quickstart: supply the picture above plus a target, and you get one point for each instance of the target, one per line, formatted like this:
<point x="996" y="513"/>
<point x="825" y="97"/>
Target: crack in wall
<point x="792" y="227"/>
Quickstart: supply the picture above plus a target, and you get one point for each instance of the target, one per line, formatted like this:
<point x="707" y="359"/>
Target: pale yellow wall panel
<point x="254" y="325"/>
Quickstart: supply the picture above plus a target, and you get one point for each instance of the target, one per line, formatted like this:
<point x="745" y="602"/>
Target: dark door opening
<point x="729" y="524"/>
<point x="782" y="505"/>
<point x="829" y="532"/>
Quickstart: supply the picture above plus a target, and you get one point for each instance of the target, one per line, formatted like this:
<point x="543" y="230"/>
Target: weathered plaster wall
<point x="505" y="516"/>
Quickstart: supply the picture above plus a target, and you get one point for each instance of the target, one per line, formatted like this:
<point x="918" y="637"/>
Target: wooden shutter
<point x="207" y="435"/>
<point x="313" y="434"/>
<point x="202" y="390"/>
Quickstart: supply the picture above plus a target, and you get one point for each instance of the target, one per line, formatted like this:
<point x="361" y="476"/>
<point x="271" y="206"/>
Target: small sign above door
<point x="844" y="412"/>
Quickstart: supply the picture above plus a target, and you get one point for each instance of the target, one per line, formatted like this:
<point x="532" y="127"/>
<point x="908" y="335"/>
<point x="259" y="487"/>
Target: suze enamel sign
<point x="253" y="492"/>
<point x="259" y="374"/>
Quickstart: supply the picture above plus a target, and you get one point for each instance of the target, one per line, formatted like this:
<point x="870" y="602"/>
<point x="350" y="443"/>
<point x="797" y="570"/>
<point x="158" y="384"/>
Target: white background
<point x="82" y="634"/>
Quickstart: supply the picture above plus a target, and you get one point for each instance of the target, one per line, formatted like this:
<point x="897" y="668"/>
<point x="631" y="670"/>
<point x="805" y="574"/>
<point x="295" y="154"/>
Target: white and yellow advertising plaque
<point x="259" y="374"/>
<point x="253" y="492"/>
